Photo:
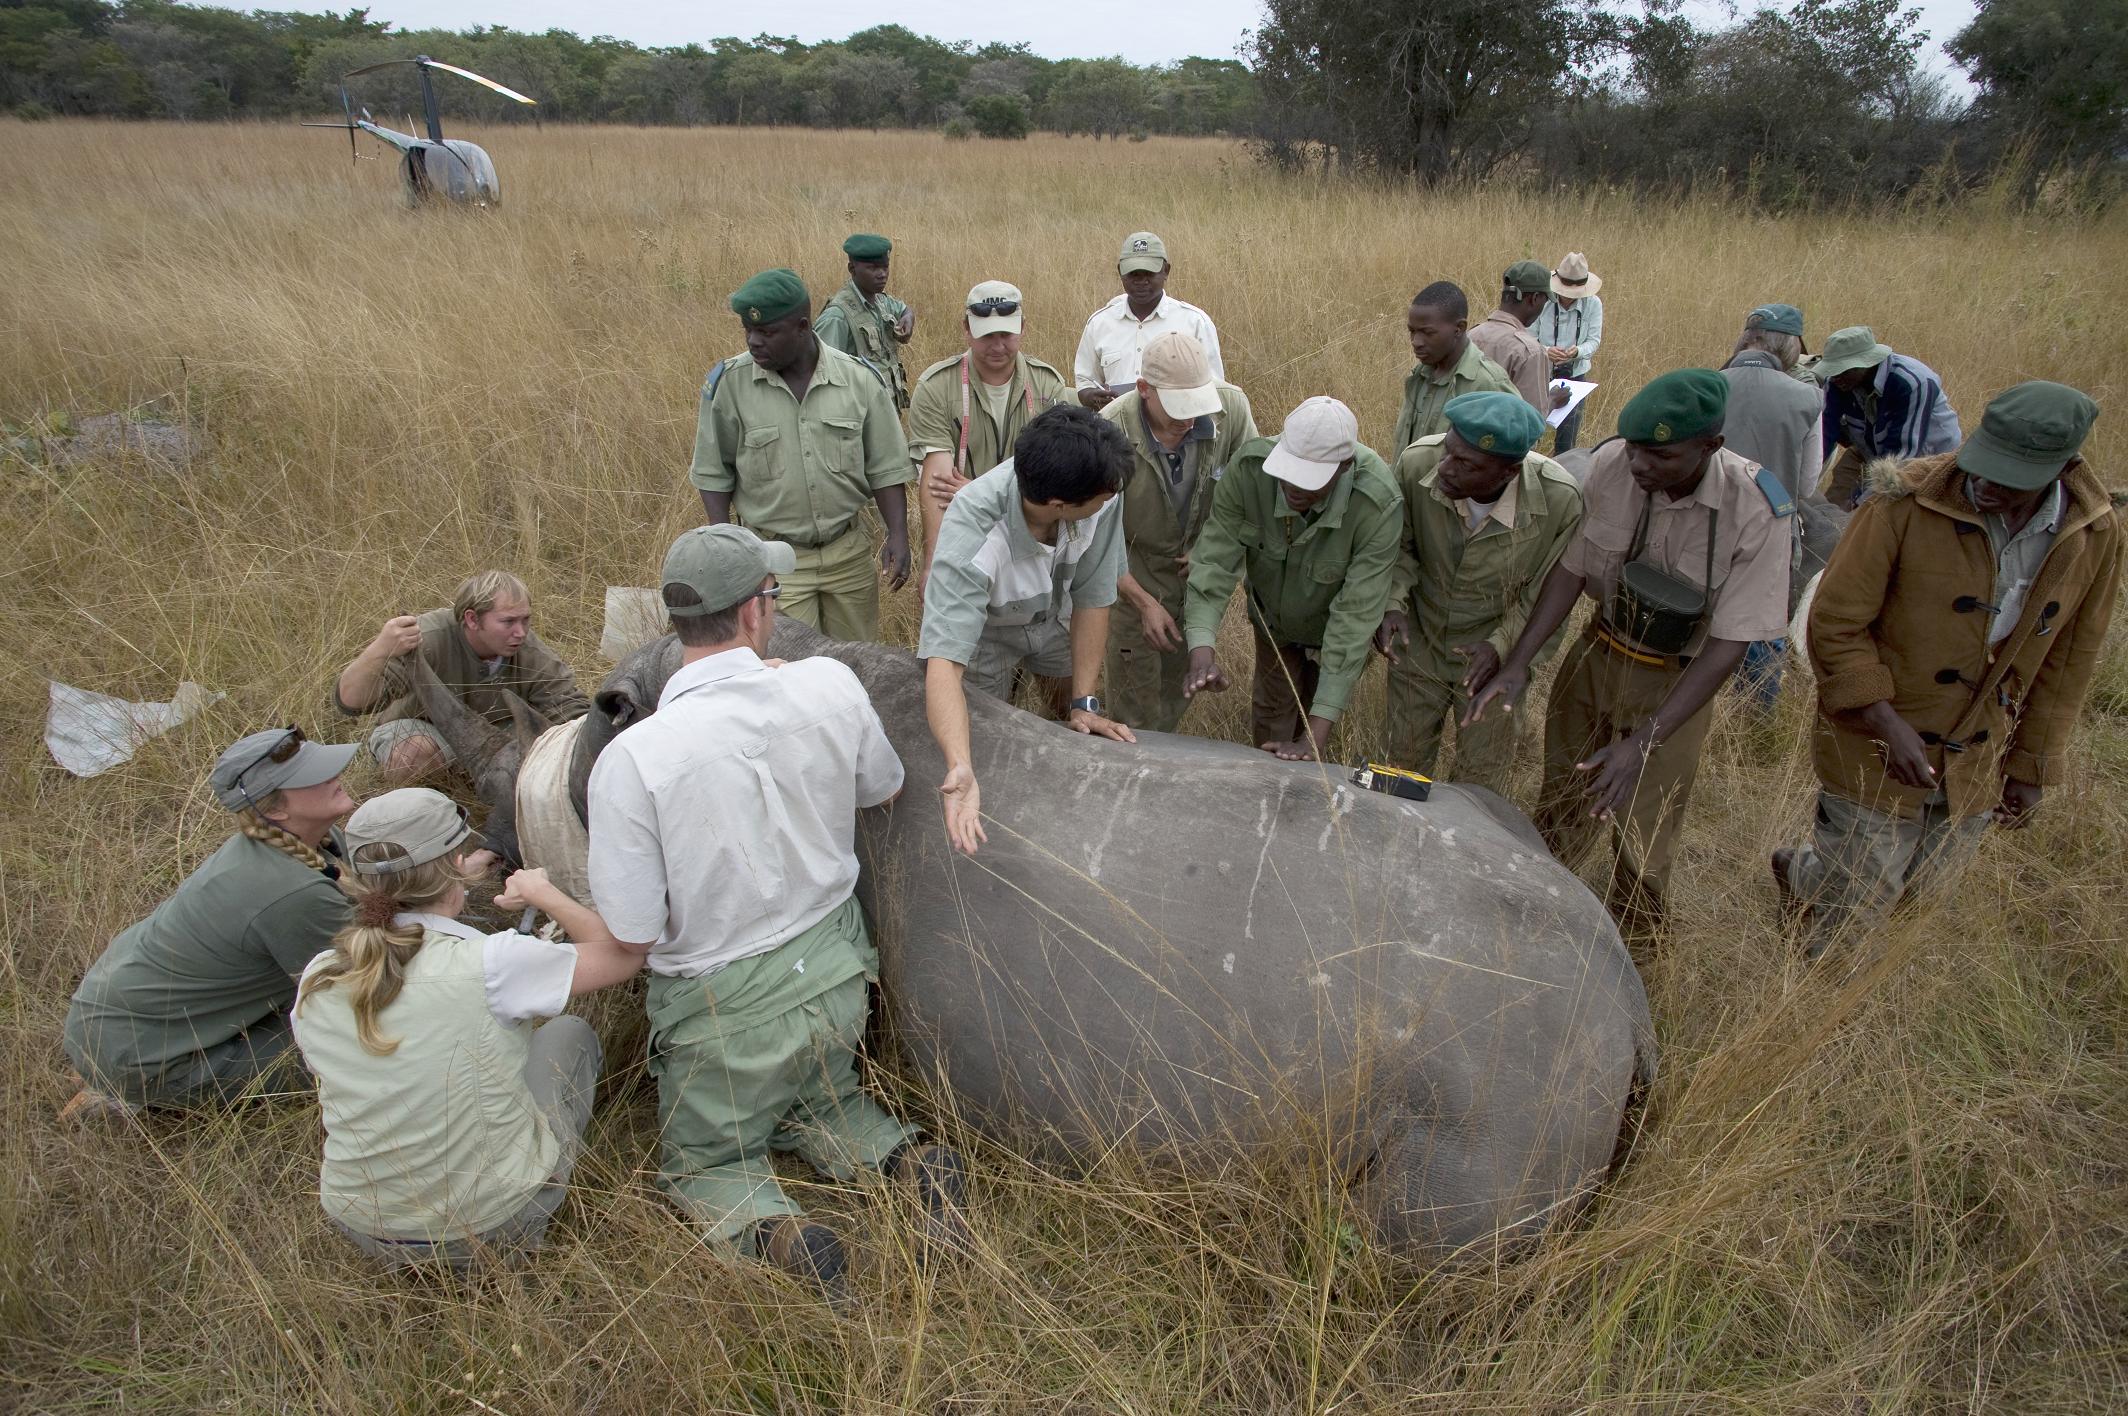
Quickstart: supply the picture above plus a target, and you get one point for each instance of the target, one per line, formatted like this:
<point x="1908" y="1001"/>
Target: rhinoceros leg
<point x="487" y="754"/>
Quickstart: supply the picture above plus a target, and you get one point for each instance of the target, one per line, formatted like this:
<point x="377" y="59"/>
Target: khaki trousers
<point x="1861" y="863"/>
<point x="1144" y="684"/>
<point x="1420" y="703"/>
<point x="835" y="588"/>
<point x="1286" y="675"/>
<point x="1599" y="697"/>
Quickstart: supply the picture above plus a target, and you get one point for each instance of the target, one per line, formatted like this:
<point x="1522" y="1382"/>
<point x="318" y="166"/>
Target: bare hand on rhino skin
<point x="1192" y="947"/>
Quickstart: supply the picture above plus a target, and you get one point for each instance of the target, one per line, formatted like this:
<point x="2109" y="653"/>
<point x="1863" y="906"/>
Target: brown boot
<point x="805" y="1250"/>
<point x="89" y="1107"/>
<point x="940" y="1180"/>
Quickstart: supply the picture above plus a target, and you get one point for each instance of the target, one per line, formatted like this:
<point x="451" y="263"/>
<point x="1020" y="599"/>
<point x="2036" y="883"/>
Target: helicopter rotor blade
<point x="480" y="79"/>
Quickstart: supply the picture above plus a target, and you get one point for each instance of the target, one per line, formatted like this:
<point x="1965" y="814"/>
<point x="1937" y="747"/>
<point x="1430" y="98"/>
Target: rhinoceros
<point x="1189" y="945"/>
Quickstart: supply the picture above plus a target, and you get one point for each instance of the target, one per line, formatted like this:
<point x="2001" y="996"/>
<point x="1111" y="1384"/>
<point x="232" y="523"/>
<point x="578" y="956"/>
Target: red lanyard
<point x="960" y="457"/>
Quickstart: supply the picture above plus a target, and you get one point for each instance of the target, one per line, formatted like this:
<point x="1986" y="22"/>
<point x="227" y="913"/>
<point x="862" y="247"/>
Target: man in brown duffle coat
<point x="1953" y="636"/>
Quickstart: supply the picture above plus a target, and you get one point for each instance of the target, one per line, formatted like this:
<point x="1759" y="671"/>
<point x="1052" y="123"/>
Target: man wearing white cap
<point x="1570" y="326"/>
<point x="1313" y="521"/>
<point x="1184" y="426"/>
<point x="1116" y="334"/>
<point x="969" y="408"/>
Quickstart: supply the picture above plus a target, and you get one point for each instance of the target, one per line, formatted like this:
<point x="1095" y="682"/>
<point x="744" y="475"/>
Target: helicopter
<point x="432" y="167"/>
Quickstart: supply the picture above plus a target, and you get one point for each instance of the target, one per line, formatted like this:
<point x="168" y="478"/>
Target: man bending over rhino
<point x="482" y="649"/>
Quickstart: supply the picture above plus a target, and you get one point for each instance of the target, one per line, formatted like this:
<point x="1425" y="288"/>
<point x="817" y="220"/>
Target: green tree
<point x="2054" y="72"/>
<point x="1000" y="115"/>
<point x="1105" y="97"/>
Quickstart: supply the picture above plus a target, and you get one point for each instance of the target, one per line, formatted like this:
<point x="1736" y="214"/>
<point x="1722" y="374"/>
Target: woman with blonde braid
<point x="188" y="1007"/>
<point x="451" y="1121"/>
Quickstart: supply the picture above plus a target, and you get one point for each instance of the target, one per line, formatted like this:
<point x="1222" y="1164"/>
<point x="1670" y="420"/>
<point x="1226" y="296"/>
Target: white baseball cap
<point x="1176" y="365"/>
<point x="1320" y="436"/>
<point x="994" y="296"/>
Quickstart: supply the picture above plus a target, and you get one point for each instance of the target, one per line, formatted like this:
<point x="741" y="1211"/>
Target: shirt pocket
<point x="761" y="454"/>
<point x="841" y="443"/>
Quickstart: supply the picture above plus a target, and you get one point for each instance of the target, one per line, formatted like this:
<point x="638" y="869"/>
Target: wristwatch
<point x="1089" y="704"/>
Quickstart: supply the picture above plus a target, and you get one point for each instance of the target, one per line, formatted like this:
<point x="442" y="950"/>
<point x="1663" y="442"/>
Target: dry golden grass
<point x="1900" y="1191"/>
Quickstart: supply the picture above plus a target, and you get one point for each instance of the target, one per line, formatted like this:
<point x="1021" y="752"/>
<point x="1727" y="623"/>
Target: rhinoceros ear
<point x="617" y="706"/>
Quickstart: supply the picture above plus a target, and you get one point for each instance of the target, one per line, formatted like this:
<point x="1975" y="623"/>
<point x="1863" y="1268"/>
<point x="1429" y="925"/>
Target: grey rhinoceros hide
<point x="1188" y="945"/>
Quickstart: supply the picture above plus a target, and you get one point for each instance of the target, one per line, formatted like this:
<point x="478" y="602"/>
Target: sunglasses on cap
<point x="286" y="746"/>
<point x="987" y="308"/>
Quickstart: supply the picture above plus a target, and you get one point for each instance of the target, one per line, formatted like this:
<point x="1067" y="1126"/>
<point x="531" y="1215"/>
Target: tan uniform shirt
<point x="1751" y="544"/>
<point x="944" y="402"/>
<point x="1507" y="342"/>
<point x="798" y="472"/>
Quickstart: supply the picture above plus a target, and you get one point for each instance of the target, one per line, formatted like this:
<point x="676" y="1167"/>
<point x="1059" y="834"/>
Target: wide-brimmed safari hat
<point x="1573" y="280"/>
<point x="1855" y="347"/>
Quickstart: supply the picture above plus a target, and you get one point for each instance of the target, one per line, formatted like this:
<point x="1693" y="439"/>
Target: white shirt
<point x="724" y="824"/>
<point x="526" y="976"/>
<point x="1115" y="340"/>
<point x="1476" y="513"/>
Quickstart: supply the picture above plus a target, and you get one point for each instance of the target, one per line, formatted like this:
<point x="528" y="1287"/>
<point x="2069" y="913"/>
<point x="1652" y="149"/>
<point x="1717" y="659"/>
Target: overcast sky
<point x="1139" y="31"/>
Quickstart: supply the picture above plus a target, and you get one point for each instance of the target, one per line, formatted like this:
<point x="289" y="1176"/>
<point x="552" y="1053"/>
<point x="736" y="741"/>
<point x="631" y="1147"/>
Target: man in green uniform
<point x="1485" y="519"/>
<point x="863" y="320"/>
<point x="1684" y="549"/>
<point x="1184" y="426"/>
<point x="1448" y="363"/>
<point x="1313" y="520"/>
<point x="795" y="437"/>
<point x="969" y="408"/>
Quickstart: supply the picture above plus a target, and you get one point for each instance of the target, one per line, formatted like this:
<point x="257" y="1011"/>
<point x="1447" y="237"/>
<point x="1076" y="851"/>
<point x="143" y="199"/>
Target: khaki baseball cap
<point x="405" y="828"/>
<point x="1142" y="250"/>
<point x="262" y="763"/>
<point x="722" y="565"/>
<point x="1176" y="365"/>
<point x="1320" y="436"/>
<point x="995" y="295"/>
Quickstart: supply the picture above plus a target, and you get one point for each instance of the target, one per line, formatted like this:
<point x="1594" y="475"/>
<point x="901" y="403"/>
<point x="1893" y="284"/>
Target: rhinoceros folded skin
<point x="1186" y="944"/>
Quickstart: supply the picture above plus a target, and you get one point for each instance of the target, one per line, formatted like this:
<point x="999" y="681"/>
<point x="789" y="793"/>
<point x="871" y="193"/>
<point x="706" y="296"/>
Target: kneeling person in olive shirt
<point x="1026" y="569"/>
<point x="1313" y="520"/>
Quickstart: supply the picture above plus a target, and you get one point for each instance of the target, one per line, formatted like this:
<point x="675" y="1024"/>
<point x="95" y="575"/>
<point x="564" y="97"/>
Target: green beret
<point x="1681" y="404"/>
<point x="770" y="296"/>
<point x="866" y="246"/>
<point x="1498" y="424"/>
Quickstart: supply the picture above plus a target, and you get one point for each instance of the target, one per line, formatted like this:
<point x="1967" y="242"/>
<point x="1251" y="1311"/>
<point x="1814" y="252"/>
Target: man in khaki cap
<point x="969" y="408"/>
<point x="1184" y="426"/>
<point x="1954" y="635"/>
<point x="1683" y="548"/>
<point x="1116" y="334"/>
<point x="792" y="438"/>
<point x="723" y="833"/>
<point x="1447" y="363"/>
<point x="1312" y="520"/>
<point x="1503" y="336"/>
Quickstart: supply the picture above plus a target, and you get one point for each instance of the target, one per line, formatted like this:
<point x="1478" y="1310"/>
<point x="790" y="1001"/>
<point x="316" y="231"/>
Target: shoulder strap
<point x="714" y="377"/>
<point x="1775" y="494"/>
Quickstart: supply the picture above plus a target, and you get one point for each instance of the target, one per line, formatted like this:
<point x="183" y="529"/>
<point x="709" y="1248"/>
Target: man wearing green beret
<point x="863" y="320"/>
<point x="794" y="437"/>
<point x="1503" y="336"/>
<point x="1953" y="635"/>
<point x="1485" y="519"/>
<point x="1448" y="363"/>
<point x="1684" y="548"/>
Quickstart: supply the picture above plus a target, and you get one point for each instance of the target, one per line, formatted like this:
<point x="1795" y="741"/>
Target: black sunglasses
<point x="286" y="746"/>
<point x="987" y="308"/>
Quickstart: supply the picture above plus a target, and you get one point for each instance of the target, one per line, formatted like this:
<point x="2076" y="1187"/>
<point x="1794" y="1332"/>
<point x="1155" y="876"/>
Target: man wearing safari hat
<point x="969" y="408"/>
<point x="1310" y="521"/>
<point x="794" y="437"/>
<point x="1684" y="549"/>
<point x="1953" y="635"/>
<point x="1570" y="327"/>
<point x="1879" y="404"/>
<point x="1115" y="336"/>
<point x="1446" y="363"/>
<point x="1503" y="336"/>
<point x="1184" y="426"/>
<point x="1486" y="517"/>
<point x="863" y="320"/>
<point x="722" y="846"/>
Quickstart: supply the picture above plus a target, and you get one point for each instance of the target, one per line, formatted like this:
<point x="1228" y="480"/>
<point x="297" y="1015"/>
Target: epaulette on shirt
<point x="1775" y="494"/>
<point x="714" y="377"/>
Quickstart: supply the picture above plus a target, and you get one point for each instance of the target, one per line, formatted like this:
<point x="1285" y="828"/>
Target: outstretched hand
<point x="1503" y="686"/>
<point x="1081" y="721"/>
<point x="964" y="809"/>
<point x="1616" y="770"/>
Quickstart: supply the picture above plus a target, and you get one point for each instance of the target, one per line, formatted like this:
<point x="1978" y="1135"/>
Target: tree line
<point x="1784" y="104"/>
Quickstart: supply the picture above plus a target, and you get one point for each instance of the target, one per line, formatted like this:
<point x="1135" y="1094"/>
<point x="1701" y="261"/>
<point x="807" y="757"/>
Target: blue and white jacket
<point x="1910" y="418"/>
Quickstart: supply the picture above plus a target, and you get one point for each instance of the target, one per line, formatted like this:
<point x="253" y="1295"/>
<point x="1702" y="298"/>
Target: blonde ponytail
<point x="252" y="822"/>
<point x="370" y="956"/>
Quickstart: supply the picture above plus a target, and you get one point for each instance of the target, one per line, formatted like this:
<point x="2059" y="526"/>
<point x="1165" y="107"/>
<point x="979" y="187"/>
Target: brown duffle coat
<point x="1902" y="614"/>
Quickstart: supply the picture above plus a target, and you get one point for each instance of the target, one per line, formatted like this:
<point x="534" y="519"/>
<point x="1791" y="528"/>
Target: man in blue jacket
<point x="1881" y="404"/>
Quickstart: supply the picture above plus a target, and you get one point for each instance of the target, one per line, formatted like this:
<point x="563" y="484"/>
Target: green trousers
<point x="1420" y="703"/>
<point x="759" y="1057"/>
<point x="835" y="588"/>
